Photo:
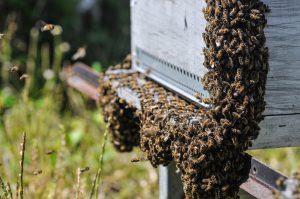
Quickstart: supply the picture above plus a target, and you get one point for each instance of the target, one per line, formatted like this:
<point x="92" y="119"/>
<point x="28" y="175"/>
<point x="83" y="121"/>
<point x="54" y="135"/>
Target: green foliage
<point x="64" y="132"/>
<point x="104" y="29"/>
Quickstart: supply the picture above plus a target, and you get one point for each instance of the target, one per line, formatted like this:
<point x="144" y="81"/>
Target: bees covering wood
<point x="208" y="152"/>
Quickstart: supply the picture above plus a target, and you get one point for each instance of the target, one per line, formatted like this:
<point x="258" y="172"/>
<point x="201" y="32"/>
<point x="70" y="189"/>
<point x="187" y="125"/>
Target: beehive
<point x="167" y="45"/>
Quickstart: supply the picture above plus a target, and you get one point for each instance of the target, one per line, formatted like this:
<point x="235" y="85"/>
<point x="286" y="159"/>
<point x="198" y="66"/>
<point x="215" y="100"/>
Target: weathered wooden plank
<point x="278" y="131"/>
<point x="170" y="32"/>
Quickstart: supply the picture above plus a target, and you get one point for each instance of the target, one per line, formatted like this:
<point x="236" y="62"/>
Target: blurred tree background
<point x="101" y="25"/>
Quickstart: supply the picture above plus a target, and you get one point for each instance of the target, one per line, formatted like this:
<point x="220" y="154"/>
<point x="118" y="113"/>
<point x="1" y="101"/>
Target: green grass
<point x="64" y="132"/>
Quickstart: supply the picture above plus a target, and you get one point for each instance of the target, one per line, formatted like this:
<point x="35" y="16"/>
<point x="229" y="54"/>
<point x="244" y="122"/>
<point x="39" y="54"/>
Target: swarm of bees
<point x="207" y="145"/>
<point x="120" y="116"/>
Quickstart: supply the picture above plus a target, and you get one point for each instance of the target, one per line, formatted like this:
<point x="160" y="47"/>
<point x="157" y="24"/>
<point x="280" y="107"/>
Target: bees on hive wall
<point x="208" y="152"/>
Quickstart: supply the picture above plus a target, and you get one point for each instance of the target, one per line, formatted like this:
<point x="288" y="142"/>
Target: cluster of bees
<point x="121" y="117"/>
<point x="207" y="145"/>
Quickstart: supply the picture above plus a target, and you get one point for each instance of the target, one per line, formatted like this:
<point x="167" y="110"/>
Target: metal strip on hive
<point x="164" y="46"/>
<point x="170" y="75"/>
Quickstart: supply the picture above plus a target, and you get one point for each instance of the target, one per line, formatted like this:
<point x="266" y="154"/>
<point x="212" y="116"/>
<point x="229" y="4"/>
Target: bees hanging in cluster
<point x="211" y="144"/>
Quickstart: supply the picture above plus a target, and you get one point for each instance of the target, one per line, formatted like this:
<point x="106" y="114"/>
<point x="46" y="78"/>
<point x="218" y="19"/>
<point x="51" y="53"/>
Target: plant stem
<point x="22" y="153"/>
<point x="97" y="180"/>
<point x="2" y="185"/>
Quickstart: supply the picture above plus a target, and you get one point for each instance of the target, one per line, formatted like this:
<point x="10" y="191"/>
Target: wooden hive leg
<point x="170" y="186"/>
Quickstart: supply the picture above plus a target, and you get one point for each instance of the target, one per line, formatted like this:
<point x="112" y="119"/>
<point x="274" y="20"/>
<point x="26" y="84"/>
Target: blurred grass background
<point x="65" y="129"/>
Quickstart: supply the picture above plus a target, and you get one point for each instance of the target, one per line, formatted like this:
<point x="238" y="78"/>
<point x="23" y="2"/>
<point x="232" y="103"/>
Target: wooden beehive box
<point x="167" y="45"/>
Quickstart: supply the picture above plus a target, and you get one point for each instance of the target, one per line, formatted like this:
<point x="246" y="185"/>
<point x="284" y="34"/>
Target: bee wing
<point x="40" y="24"/>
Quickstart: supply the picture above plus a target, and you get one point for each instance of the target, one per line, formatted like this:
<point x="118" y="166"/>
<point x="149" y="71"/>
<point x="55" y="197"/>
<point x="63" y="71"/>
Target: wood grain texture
<point x="172" y="30"/>
<point x="278" y="131"/>
<point x="283" y="40"/>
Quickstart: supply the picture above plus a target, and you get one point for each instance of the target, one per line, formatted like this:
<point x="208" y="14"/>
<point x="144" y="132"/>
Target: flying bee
<point x="24" y="76"/>
<point x="1" y="35"/>
<point x="15" y="69"/>
<point x="80" y="53"/>
<point x="82" y="170"/>
<point x="37" y="172"/>
<point x="50" y="152"/>
<point x="45" y="26"/>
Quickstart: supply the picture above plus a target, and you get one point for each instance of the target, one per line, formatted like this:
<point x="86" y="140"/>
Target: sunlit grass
<point x="64" y="132"/>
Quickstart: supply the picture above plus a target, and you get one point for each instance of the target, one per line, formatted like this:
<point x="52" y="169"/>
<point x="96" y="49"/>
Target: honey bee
<point x="233" y="1"/>
<point x="80" y="53"/>
<point x="206" y="100"/>
<point x="14" y="69"/>
<point x="37" y="172"/>
<point x="24" y="76"/>
<point x="45" y="26"/>
<point x="82" y="170"/>
<point x="233" y="12"/>
<point x="241" y="35"/>
<point x="280" y="182"/>
<point x="223" y="31"/>
<point x="220" y="54"/>
<point x="228" y="50"/>
<point x="224" y="3"/>
<point x="241" y="61"/>
<point x="255" y="17"/>
<point x="255" y="11"/>
<point x="225" y="123"/>
<point x="50" y="152"/>
<point x="198" y="95"/>
<point x="217" y="10"/>
<point x="1" y="35"/>
<point x="225" y="16"/>
<point x="235" y="22"/>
